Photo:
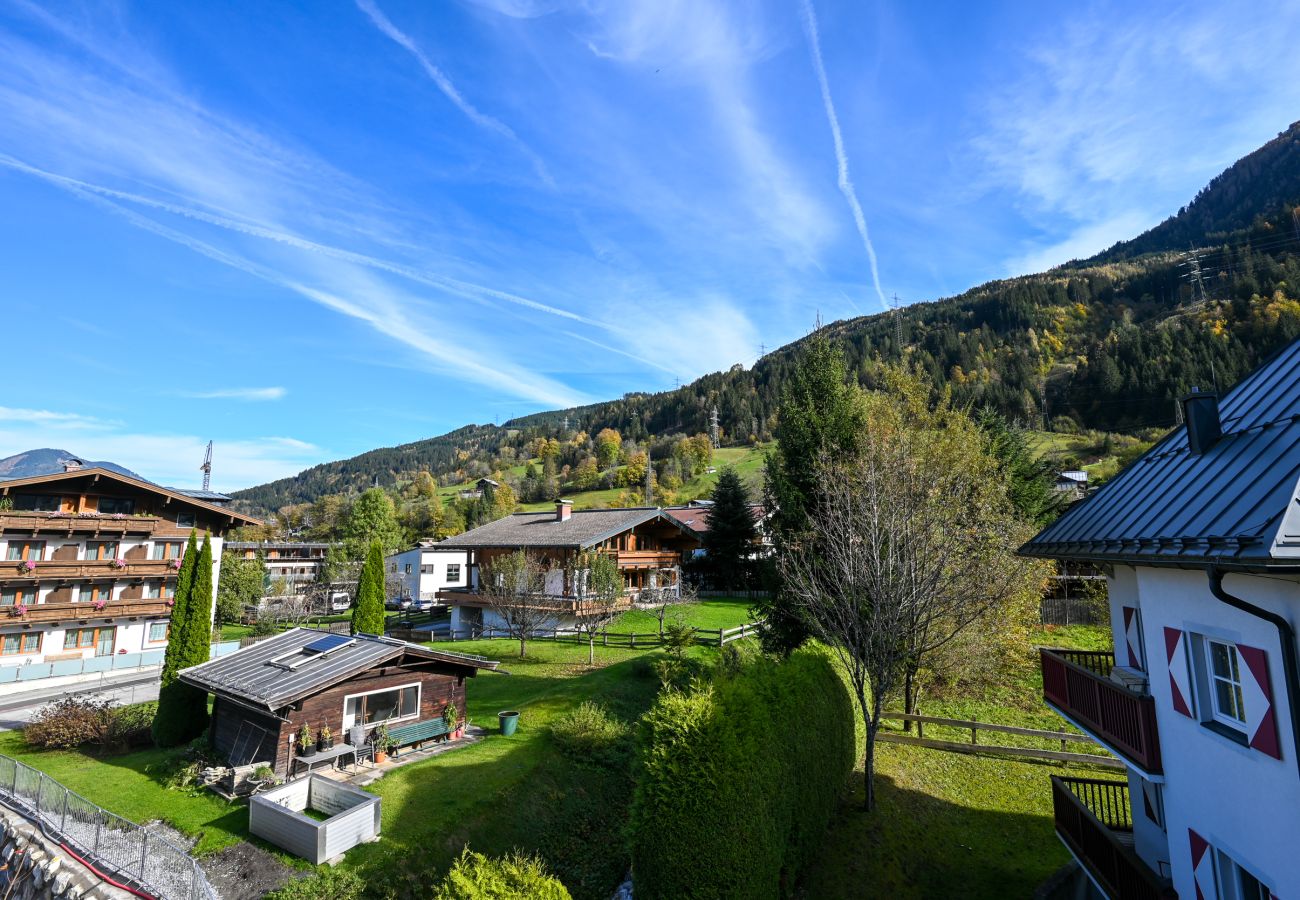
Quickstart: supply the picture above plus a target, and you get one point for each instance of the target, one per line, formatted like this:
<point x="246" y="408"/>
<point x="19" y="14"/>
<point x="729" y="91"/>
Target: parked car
<point x="398" y="603"/>
<point x="422" y="605"/>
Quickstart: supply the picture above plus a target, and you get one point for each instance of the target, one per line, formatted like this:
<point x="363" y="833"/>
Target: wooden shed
<point x="264" y="693"/>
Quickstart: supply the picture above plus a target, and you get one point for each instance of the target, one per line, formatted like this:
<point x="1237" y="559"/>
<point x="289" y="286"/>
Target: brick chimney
<point x="72" y="465"/>
<point x="563" y="509"/>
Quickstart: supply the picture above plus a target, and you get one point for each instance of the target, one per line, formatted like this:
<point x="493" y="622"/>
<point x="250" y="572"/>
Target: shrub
<point x="130" y="726"/>
<point x="328" y="883"/>
<point x="69" y="722"/>
<point x="515" y="877"/>
<point x="740" y="778"/>
<point x="590" y="734"/>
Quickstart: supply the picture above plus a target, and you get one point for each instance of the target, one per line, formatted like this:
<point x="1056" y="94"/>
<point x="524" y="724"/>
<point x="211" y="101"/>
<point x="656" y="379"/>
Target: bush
<point x="69" y="722"/>
<point x="130" y="727"/>
<point x="590" y="734"/>
<point x="515" y="877"/>
<point x="328" y="883"/>
<point x="740" y="778"/>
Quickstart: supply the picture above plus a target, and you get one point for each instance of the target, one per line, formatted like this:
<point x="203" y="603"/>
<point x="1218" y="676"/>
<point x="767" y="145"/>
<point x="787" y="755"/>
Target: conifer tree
<point x="180" y="611"/>
<point x="368" y="612"/>
<point x="182" y="709"/>
<point x="730" y="540"/>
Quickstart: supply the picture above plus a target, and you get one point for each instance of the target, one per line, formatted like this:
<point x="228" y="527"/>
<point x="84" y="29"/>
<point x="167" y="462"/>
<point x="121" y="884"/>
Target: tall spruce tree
<point x="368" y="612"/>
<point x="729" y="542"/>
<point x="822" y="419"/>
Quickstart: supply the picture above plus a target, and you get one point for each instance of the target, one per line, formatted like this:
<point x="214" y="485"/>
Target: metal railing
<point x="115" y="845"/>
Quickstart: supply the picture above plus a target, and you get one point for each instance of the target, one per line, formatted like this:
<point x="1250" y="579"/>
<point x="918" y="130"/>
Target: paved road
<point x="16" y="709"/>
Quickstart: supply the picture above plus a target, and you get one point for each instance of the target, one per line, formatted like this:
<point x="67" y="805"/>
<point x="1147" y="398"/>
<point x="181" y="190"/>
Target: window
<point x="1224" y="671"/>
<point x="159" y="590"/>
<point x="186" y="520"/>
<point x="23" y="642"/>
<point x="381" y="706"/>
<point x="158" y="632"/>
<point x="121" y="506"/>
<point x="19" y="550"/>
<point x="97" y="593"/>
<point x="393" y="568"/>
<point x="407" y="570"/>
<point x="79" y="638"/>
<point x="101" y="550"/>
<point x="428" y="570"/>
<point x="453" y="572"/>
<point x="166" y="550"/>
<point x="15" y="595"/>
<point x="37" y="502"/>
<point x="1235" y="883"/>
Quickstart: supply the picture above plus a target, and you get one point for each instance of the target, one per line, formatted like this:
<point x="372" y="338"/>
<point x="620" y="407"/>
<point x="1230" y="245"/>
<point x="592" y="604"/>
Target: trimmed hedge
<point x="739" y="780"/>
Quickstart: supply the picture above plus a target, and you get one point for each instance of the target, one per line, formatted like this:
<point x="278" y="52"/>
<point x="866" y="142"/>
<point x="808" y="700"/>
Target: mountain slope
<point x="48" y="461"/>
<point x="1106" y="343"/>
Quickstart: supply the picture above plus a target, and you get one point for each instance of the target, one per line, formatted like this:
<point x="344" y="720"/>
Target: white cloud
<point x="49" y="419"/>
<point x="262" y="393"/>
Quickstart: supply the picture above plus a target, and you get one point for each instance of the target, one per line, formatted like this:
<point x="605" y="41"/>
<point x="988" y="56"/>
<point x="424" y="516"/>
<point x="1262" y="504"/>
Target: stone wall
<point x="39" y="869"/>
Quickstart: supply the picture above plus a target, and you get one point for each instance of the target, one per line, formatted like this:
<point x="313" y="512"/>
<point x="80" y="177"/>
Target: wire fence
<point x="115" y="845"/>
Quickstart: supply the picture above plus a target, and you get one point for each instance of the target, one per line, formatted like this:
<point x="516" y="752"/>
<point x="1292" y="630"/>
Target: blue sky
<point x="307" y="230"/>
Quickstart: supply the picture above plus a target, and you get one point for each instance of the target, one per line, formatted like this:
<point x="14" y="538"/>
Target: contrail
<point x="483" y="120"/>
<point x="841" y="159"/>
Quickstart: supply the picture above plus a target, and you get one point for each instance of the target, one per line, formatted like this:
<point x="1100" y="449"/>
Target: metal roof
<point x="584" y="528"/>
<point x="1235" y="502"/>
<point x="276" y="672"/>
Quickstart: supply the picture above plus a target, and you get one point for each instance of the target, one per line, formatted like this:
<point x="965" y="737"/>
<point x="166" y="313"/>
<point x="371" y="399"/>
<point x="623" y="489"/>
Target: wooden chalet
<point x="265" y="693"/>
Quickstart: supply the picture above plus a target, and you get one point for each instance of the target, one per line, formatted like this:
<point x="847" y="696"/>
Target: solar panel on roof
<point x="328" y="643"/>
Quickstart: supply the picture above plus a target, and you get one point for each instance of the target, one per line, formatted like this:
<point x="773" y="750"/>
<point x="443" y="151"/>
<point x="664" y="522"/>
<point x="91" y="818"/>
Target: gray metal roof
<point x="1236" y="502"/>
<point x="584" y="528"/>
<point x="259" y="674"/>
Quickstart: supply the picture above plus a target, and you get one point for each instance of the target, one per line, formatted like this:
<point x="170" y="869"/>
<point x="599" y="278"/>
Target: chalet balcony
<point x="652" y="558"/>
<point x="77" y="523"/>
<point x="1078" y="685"/>
<point x="1095" y="822"/>
<point x="78" y="570"/>
<point x="55" y="613"/>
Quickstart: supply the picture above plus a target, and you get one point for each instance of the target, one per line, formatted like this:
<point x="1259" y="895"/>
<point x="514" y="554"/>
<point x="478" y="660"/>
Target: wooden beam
<point x="1107" y="762"/>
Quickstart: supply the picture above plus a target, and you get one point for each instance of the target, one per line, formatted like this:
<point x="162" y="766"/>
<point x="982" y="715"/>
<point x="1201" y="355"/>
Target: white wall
<point x="420" y="584"/>
<point x="1241" y="800"/>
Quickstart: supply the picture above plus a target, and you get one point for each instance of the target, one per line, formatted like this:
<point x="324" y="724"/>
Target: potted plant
<point x="98" y="604"/>
<point x="119" y="563"/>
<point x="382" y="743"/>
<point x="18" y="610"/>
<point x="27" y="565"/>
<point x="304" y="739"/>
<point x="325" y="740"/>
<point x="451" y="716"/>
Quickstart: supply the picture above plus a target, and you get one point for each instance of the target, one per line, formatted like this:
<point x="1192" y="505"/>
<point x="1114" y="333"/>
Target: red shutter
<point x="1180" y="682"/>
<point x="1133" y="638"/>
<point x="1261" y="717"/>
<point x="1202" y="867"/>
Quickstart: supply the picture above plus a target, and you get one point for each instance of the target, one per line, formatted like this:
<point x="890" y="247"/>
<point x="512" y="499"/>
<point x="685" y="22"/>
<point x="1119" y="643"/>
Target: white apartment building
<point x="425" y="569"/>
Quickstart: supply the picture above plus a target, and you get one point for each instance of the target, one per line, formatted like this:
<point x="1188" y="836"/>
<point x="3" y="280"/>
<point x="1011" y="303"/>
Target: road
<point x="17" y="709"/>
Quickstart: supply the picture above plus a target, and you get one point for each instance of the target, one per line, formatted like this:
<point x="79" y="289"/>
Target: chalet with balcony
<point x="88" y="562"/>
<point x="1199" y="541"/>
<point x="266" y="693"/>
<point x="648" y="545"/>
<point x="290" y="565"/>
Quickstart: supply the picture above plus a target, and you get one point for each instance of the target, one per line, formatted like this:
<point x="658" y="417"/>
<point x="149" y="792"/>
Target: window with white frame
<point x="1236" y="882"/>
<point x="1223" y="676"/>
<point x="407" y="569"/>
<point x="453" y="571"/>
<point x="378" y="707"/>
<point x="158" y="632"/>
<point x="428" y="569"/>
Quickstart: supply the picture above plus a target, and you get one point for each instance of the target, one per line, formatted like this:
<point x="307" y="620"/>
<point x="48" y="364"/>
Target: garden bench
<point x="418" y="732"/>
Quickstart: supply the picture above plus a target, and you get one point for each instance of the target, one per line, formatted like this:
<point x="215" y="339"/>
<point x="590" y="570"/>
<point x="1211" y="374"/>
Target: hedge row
<point x="739" y="780"/>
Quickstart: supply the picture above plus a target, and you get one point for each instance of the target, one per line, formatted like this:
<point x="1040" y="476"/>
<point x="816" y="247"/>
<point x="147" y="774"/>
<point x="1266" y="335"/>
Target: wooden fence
<point x="1062" y="755"/>
<point x="624" y="640"/>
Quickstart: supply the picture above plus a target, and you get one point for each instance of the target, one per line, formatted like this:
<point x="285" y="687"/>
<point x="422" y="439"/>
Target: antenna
<point x="206" y="468"/>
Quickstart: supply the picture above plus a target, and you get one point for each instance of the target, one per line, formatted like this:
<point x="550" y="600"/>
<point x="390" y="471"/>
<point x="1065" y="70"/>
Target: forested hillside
<point x="1107" y="343"/>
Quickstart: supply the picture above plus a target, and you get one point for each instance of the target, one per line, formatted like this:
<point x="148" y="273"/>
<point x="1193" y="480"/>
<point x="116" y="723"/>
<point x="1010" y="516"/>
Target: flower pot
<point x="381" y="756"/>
<point x="508" y="721"/>
<point x="458" y="733"/>
<point x="321" y="746"/>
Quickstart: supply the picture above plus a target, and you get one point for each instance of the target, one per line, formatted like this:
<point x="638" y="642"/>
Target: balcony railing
<point x="68" y="523"/>
<point x="46" y="613"/>
<point x="1095" y="820"/>
<point x="58" y="569"/>
<point x="1077" y="684"/>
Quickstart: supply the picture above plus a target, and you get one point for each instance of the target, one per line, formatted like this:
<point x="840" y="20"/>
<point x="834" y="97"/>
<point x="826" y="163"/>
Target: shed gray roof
<point x="584" y="528"/>
<point x="1236" y="502"/>
<point x="252" y="676"/>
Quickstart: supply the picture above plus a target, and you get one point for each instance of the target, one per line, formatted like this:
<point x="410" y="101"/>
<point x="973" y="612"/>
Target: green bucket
<point x="509" y="722"/>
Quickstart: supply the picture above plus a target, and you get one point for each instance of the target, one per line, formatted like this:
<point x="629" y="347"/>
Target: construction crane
<point x="206" y="468"/>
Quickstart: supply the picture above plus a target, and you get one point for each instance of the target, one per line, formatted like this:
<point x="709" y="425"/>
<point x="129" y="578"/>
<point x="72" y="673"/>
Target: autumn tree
<point x="513" y="587"/>
<point x="908" y="541"/>
<point x="597" y="585"/>
<point x="609" y="444"/>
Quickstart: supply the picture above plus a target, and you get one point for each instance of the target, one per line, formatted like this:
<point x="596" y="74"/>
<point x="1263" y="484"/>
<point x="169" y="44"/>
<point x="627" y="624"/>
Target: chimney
<point x="72" y="465"/>
<point x="563" y="509"/>
<point x="1201" y="412"/>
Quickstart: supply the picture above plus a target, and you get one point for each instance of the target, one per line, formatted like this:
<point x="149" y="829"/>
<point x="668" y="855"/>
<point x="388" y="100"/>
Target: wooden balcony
<point x="80" y="570"/>
<point x="1095" y="821"/>
<point x="652" y="558"/>
<point x="1078" y="685"/>
<point x="76" y="523"/>
<point x="54" y="613"/>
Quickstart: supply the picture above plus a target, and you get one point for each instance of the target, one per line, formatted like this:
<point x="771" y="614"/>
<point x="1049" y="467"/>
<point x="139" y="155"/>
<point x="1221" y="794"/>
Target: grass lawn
<point x="952" y="825"/>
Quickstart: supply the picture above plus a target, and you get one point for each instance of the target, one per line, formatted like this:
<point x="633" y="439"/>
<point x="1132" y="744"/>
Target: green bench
<point x="418" y="732"/>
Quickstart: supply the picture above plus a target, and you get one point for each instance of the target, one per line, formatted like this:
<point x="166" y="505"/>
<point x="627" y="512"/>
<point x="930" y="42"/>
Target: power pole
<point x="1042" y="401"/>
<point x="713" y="428"/>
<point x="898" y="322"/>
<point x="649" y="480"/>
<point x="206" y="468"/>
<point x="1192" y="260"/>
